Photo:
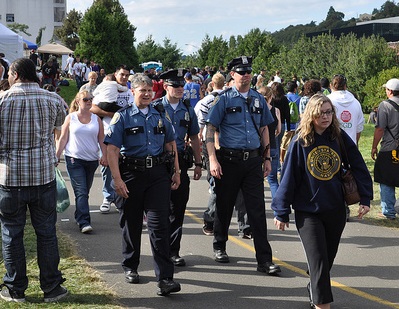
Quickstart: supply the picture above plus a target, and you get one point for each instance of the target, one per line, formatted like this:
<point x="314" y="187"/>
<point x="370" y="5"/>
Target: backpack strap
<point x="396" y="106"/>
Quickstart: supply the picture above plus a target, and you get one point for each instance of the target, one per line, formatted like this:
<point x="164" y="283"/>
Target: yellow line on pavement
<point x="297" y="270"/>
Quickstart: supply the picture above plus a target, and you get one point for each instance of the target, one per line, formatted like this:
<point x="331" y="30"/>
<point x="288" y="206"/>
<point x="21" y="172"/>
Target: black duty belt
<point x="141" y="163"/>
<point x="239" y="154"/>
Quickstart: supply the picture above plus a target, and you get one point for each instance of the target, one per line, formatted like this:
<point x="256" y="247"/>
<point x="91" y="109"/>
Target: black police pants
<point x="320" y="235"/>
<point x="178" y="203"/>
<point x="149" y="191"/>
<point x="248" y="176"/>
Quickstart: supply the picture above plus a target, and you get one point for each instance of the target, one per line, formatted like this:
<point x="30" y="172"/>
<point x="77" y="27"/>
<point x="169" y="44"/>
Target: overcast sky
<point x="186" y="22"/>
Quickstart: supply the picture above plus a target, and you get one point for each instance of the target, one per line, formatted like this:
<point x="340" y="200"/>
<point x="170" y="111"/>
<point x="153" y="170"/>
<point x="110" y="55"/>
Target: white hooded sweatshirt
<point x="348" y="111"/>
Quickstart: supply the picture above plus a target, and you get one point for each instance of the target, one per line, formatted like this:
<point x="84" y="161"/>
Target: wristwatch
<point x="268" y="159"/>
<point x="199" y="164"/>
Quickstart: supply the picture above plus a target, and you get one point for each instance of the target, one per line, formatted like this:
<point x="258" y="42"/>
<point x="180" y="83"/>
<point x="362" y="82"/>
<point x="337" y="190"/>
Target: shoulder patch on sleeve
<point x="215" y="101"/>
<point x="115" y="119"/>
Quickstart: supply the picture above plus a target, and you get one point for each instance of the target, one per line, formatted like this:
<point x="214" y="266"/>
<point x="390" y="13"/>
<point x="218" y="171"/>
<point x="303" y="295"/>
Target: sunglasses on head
<point x="87" y="99"/>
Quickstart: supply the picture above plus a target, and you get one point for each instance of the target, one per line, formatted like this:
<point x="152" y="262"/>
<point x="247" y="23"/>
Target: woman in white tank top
<point x="82" y="137"/>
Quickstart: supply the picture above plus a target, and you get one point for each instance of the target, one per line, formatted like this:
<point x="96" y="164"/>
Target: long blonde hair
<point x="74" y="106"/>
<point x="312" y="111"/>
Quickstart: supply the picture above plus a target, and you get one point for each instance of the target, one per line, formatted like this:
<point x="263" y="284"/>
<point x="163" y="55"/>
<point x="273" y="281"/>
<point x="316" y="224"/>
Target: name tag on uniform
<point x="135" y="130"/>
<point x="234" y="109"/>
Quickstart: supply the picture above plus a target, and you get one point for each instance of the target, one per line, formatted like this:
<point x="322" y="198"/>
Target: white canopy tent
<point x="11" y="44"/>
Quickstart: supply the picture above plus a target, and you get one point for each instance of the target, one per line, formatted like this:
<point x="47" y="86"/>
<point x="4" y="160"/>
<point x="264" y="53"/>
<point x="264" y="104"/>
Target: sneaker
<point x="55" y="295"/>
<point x="105" y="207"/>
<point x="207" y="229"/>
<point x="11" y="295"/>
<point x="86" y="229"/>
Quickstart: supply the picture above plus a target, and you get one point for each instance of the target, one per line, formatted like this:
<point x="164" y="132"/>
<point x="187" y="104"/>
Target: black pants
<point x="149" y="191"/>
<point x="248" y="176"/>
<point x="320" y="236"/>
<point x="178" y="203"/>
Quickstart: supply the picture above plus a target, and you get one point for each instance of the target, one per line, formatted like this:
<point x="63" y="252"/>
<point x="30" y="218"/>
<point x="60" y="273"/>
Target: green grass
<point x="69" y="92"/>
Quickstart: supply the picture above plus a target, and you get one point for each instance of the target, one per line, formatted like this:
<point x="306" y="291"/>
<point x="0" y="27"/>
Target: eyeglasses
<point x="87" y="99"/>
<point x="242" y="73"/>
<point x="326" y="113"/>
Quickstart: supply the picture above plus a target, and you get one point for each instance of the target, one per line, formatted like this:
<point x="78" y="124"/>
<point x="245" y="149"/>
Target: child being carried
<point x="106" y="94"/>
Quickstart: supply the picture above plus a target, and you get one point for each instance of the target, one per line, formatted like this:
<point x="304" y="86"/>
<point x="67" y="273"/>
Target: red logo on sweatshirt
<point x="346" y="116"/>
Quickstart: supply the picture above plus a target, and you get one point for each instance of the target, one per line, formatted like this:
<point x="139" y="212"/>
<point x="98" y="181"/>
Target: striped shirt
<point x="28" y="115"/>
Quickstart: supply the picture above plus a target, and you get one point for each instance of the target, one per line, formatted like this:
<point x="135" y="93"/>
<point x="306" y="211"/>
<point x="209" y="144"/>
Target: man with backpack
<point x="293" y="99"/>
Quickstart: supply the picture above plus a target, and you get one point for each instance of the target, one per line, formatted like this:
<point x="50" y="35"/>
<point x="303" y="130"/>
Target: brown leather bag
<point x="351" y="194"/>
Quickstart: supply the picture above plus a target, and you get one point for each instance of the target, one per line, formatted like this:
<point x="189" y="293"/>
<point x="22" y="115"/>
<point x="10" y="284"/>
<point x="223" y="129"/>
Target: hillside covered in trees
<point x="334" y="20"/>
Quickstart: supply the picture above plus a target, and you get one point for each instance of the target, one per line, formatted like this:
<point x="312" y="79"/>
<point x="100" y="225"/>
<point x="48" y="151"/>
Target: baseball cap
<point x="392" y="84"/>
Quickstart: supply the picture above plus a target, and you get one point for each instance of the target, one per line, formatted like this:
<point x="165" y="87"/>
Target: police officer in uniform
<point x="185" y="124"/>
<point x="241" y="115"/>
<point x="142" y="157"/>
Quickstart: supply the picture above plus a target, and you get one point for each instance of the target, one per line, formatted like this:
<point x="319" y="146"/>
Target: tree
<point x="39" y="36"/>
<point x="68" y="33"/>
<point x="148" y="50"/>
<point x="107" y="36"/>
<point x="388" y="9"/>
<point x="19" y="28"/>
<point x="325" y="55"/>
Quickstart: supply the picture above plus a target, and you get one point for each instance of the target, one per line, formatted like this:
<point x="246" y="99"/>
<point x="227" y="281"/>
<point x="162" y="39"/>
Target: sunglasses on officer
<point x="243" y="71"/>
<point x="176" y="84"/>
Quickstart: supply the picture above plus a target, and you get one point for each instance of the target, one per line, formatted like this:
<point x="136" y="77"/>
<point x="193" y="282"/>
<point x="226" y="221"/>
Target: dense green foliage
<point x="68" y="33"/>
<point x="325" y="55"/>
<point x="373" y="89"/>
<point x="107" y="36"/>
<point x="168" y="54"/>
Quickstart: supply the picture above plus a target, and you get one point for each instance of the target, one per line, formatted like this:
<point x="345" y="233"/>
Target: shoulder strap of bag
<point x="342" y="147"/>
<point x="396" y="106"/>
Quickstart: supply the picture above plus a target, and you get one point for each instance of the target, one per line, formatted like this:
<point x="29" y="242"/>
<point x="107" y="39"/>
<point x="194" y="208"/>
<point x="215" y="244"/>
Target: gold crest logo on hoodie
<point x="323" y="163"/>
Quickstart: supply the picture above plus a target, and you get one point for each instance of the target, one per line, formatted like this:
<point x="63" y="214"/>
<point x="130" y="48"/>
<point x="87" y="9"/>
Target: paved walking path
<point x="365" y="274"/>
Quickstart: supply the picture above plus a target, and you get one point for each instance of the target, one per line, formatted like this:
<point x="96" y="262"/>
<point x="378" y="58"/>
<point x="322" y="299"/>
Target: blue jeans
<point x="388" y="200"/>
<point x="272" y="178"/>
<point x="81" y="173"/>
<point x="109" y="193"/>
<point x="13" y="206"/>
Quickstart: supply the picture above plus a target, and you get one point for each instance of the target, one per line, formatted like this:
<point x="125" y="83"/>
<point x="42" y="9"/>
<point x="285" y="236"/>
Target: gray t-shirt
<point x="388" y="117"/>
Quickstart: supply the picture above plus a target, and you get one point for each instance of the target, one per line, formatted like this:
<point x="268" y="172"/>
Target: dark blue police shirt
<point x="180" y="118"/>
<point x="137" y="135"/>
<point x="232" y="116"/>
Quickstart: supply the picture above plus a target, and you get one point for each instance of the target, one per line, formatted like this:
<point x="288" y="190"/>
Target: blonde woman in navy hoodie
<point x="311" y="183"/>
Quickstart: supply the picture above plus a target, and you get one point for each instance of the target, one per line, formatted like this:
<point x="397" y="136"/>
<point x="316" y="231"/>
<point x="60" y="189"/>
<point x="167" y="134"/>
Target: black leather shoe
<point x="131" y="276"/>
<point x="221" y="256"/>
<point x="268" y="268"/>
<point x="178" y="261"/>
<point x="167" y="286"/>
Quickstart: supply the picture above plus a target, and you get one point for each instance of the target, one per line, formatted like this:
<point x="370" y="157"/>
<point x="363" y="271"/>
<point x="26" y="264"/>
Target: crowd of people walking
<point x="146" y="130"/>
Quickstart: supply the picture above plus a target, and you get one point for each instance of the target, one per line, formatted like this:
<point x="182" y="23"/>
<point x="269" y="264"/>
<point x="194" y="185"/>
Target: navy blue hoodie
<point x="311" y="176"/>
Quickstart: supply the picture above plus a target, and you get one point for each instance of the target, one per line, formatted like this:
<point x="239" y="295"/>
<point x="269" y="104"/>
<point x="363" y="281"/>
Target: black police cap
<point x="239" y="62"/>
<point x="173" y="76"/>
